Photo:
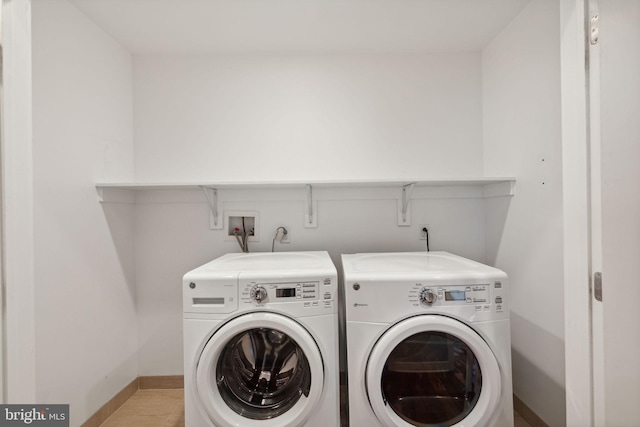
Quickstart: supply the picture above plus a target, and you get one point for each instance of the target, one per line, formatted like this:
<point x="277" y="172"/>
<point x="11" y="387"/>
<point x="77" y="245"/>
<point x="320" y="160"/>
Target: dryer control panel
<point x="387" y="300"/>
<point x="478" y="295"/>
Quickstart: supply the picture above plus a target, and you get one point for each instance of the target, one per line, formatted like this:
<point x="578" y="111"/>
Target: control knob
<point x="258" y="294"/>
<point x="427" y="296"/>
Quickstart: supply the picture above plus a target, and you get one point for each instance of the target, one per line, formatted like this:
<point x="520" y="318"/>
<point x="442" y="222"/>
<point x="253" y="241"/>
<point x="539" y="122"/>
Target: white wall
<point x="521" y="107"/>
<point x="288" y="117"/>
<point x="296" y="117"/>
<point x="173" y="237"/>
<point x="86" y="330"/>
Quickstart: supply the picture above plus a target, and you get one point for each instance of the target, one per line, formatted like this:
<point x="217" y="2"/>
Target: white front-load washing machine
<point x="261" y="341"/>
<point x="428" y="341"/>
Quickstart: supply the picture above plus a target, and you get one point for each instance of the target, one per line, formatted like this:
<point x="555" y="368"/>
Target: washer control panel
<point x="282" y="292"/>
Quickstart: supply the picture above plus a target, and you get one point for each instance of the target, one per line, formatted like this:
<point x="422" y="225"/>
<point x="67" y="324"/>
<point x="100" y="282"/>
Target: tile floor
<point x="165" y="408"/>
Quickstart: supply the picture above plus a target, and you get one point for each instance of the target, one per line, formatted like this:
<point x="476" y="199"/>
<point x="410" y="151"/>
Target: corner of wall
<point x="522" y="138"/>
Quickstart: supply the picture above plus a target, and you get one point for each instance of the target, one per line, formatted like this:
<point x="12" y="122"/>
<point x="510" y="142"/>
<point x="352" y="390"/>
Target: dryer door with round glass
<point x="259" y="369"/>
<point x="433" y="370"/>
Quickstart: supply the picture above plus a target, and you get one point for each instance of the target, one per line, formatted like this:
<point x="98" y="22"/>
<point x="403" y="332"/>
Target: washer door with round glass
<point x="259" y="369"/>
<point x="433" y="371"/>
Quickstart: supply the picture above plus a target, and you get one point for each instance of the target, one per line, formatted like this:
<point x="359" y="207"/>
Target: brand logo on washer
<point x="360" y="305"/>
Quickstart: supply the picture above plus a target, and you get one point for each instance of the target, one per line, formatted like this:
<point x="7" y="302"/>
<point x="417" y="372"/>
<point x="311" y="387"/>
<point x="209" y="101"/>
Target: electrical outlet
<point x="423" y="235"/>
<point x="286" y="238"/>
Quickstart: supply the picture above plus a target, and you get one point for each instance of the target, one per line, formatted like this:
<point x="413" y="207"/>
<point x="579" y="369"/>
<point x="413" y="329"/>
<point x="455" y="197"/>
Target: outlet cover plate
<point x="421" y="226"/>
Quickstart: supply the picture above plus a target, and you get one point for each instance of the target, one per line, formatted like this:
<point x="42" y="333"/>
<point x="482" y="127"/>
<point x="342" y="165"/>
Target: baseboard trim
<point x="112" y="405"/>
<point x="161" y="382"/>
<point x="527" y="413"/>
<point x="140" y="383"/>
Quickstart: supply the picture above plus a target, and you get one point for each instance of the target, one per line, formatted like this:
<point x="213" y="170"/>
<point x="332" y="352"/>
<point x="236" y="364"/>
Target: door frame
<point x="576" y="173"/>
<point x="18" y="248"/>
<point x="595" y="212"/>
<point x="614" y="205"/>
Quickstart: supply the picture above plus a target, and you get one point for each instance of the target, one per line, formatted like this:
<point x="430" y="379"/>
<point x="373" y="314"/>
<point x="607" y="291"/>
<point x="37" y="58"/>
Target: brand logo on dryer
<point x="360" y="305"/>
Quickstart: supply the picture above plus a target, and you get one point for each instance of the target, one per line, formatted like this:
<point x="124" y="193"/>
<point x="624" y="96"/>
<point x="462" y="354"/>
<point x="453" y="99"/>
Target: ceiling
<point x="301" y="26"/>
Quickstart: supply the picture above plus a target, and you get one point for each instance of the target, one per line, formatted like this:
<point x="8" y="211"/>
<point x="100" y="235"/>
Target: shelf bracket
<point x="212" y="200"/>
<point x="311" y="209"/>
<point x="404" y="214"/>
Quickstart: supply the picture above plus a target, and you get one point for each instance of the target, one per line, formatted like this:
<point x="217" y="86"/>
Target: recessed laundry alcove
<point x="285" y="108"/>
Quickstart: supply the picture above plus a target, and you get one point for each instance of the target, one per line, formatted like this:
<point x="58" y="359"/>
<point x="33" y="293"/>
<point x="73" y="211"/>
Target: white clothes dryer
<point x="428" y="341"/>
<point x="261" y="341"/>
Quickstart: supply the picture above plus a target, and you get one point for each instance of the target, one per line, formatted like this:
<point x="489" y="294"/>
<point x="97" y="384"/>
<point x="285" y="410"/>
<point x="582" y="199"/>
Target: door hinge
<point x="594" y="30"/>
<point x="597" y="286"/>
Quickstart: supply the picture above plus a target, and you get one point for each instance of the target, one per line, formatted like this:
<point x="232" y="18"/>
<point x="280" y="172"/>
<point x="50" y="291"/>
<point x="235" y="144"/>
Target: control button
<point x="478" y="308"/>
<point x="487" y="308"/>
<point x="427" y="296"/>
<point x="307" y="304"/>
<point x="468" y="289"/>
<point x="327" y="282"/>
<point x="469" y="300"/>
<point x="258" y="294"/>
<point x="299" y="296"/>
<point x="327" y="295"/>
<point x="314" y="304"/>
<point x="356" y="286"/>
<point x="497" y="285"/>
<point x="498" y="300"/>
<point x="499" y="308"/>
